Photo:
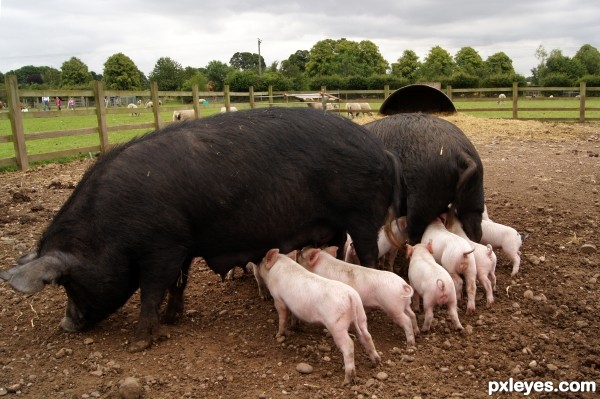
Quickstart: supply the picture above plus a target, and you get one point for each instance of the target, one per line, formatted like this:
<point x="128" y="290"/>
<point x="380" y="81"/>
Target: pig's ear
<point x="293" y="255"/>
<point x="430" y="246"/>
<point x="31" y="277"/>
<point x="331" y="251"/>
<point x="402" y="223"/>
<point x="271" y="258"/>
<point x="313" y="255"/>
<point x="409" y="250"/>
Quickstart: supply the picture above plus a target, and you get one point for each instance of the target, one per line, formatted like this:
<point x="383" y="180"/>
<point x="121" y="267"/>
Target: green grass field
<point x="70" y="122"/>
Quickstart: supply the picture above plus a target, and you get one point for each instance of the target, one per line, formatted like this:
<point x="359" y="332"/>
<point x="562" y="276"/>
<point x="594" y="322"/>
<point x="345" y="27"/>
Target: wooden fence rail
<point x="99" y="103"/>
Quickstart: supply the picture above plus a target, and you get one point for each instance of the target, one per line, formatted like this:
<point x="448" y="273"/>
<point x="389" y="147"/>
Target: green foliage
<point x="277" y="81"/>
<point x="197" y="79"/>
<point x="247" y="61"/>
<point x="463" y="80"/>
<point x="120" y="73"/>
<point x="589" y="57"/>
<point x="333" y="82"/>
<point x="74" y="74"/>
<point x="469" y="62"/>
<point x="557" y="79"/>
<point x="438" y="65"/>
<point x="503" y="80"/>
<point x="590" y="80"/>
<point x="557" y="63"/>
<point x="499" y="64"/>
<point x="345" y="58"/>
<point x="407" y="66"/>
<point x="295" y="65"/>
<point x="168" y="73"/>
<point x="216" y="72"/>
<point x="377" y="82"/>
<point x="242" y="80"/>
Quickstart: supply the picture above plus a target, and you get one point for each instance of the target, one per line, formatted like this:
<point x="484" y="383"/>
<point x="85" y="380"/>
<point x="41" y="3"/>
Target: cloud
<point x="193" y="33"/>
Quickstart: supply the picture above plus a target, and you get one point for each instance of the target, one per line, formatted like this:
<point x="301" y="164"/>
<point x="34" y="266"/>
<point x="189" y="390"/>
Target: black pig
<point x="439" y="166"/>
<point x="227" y="188"/>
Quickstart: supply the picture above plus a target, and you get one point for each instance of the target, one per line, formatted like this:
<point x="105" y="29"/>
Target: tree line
<point x="338" y="64"/>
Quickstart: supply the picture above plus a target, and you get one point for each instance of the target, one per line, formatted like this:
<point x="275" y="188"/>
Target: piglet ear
<point x="331" y="251"/>
<point x="31" y="277"/>
<point x="293" y="255"/>
<point x="402" y="223"/>
<point x="251" y="267"/>
<point x="313" y="256"/>
<point x="271" y="258"/>
<point x="430" y="246"/>
<point x="409" y="250"/>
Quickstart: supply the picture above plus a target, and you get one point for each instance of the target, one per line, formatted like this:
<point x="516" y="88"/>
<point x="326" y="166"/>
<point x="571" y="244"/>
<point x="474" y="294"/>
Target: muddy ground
<point x="541" y="178"/>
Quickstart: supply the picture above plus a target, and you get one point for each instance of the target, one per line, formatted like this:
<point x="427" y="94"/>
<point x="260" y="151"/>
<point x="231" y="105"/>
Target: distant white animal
<point x="353" y="109"/>
<point x="501" y="98"/>
<point x="133" y="106"/>
<point x="231" y="109"/>
<point x="183" y="115"/>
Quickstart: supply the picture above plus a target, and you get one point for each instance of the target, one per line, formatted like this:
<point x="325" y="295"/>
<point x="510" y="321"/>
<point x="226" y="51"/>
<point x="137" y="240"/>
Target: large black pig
<point x="439" y="166"/>
<point x="227" y="188"/>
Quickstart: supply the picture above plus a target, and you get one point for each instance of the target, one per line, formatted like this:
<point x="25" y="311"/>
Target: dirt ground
<point x="541" y="178"/>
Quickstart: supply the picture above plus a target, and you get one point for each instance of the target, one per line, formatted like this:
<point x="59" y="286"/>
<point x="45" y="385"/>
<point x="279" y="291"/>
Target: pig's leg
<point x="283" y="312"/>
<point x="428" y="305"/>
<point x="413" y="319"/>
<point x="367" y="341"/>
<point x="154" y="283"/>
<point x="390" y="259"/>
<point x="487" y="286"/>
<point x="492" y="277"/>
<point x="471" y="291"/>
<point x="458" y="285"/>
<point x="453" y="313"/>
<point x="175" y="303"/>
<point x="415" y="301"/>
<point x="516" y="262"/>
<point x="404" y="321"/>
<point x="344" y="343"/>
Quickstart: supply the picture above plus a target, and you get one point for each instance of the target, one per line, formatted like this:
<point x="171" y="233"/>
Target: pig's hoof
<point x="139" y="345"/>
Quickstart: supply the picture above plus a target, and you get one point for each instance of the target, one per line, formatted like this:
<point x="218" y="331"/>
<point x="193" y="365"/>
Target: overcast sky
<point x="194" y="32"/>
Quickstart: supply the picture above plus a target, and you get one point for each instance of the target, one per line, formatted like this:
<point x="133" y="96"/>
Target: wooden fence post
<point x="226" y="98"/>
<point x="386" y="91"/>
<point x="101" y="115"/>
<point x="251" y="95"/>
<point x="582" y="95"/>
<point x="155" y="103"/>
<point x="270" y="90"/>
<point x="515" y="99"/>
<point x="449" y="92"/>
<point x="16" y="122"/>
<point x="195" y="98"/>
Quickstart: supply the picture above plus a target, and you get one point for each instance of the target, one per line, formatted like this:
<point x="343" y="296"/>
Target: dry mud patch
<point x="541" y="178"/>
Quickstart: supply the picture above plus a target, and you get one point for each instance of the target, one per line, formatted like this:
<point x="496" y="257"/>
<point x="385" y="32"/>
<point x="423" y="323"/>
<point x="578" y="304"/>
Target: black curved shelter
<point x="417" y="98"/>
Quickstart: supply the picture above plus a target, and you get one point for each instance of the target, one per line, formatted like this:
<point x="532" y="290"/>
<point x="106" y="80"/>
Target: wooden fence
<point x="99" y="98"/>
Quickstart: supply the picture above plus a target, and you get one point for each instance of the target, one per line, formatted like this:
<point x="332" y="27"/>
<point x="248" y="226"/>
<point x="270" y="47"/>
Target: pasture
<point x="540" y="178"/>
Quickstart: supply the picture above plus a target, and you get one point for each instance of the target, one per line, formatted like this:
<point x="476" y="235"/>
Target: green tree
<point x="216" y="72"/>
<point x="499" y="64"/>
<point x="469" y="62"/>
<point x="437" y="66"/>
<point x="295" y="65"/>
<point x="168" y="73"/>
<point x="345" y="58"/>
<point x="242" y="80"/>
<point x="538" y="72"/>
<point x="120" y="73"/>
<point x="247" y="61"/>
<point x="74" y="74"/>
<point x="462" y="80"/>
<point x="51" y="77"/>
<point x="197" y="79"/>
<point x="407" y="66"/>
<point x="589" y="57"/>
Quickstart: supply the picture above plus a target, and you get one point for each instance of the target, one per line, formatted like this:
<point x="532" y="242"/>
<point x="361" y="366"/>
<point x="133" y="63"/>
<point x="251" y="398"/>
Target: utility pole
<point x="259" y="69"/>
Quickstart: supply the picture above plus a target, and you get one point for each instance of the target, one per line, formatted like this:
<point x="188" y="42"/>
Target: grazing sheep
<point x="231" y="109"/>
<point x="133" y="106"/>
<point x="353" y="109"/>
<point x="365" y="108"/>
<point x="328" y="106"/>
<point x="150" y="104"/>
<point x="501" y="98"/>
<point x="184" y="115"/>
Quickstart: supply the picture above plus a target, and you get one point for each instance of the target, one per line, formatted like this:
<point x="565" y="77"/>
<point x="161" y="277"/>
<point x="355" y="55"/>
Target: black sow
<point x="439" y="166"/>
<point x="227" y="188"/>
